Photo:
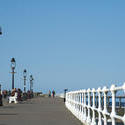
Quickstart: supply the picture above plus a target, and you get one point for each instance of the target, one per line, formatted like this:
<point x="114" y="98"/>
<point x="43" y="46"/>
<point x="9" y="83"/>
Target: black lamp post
<point x="65" y="90"/>
<point x="0" y="31"/>
<point x="0" y="88"/>
<point x="13" y="65"/>
<point x="31" y="83"/>
<point x="24" y="75"/>
<point x="1" y="101"/>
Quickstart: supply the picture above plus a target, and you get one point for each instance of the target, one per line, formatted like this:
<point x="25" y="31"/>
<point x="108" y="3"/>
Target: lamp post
<point x="0" y="31"/>
<point x="13" y="65"/>
<point x="0" y="88"/>
<point x="31" y="83"/>
<point x="65" y="90"/>
<point x="1" y="101"/>
<point x="24" y="75"/>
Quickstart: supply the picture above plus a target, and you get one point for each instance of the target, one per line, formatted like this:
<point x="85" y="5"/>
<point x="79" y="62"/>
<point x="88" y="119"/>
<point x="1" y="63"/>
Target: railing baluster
<point x="93" y="107"/>
<point x="105" y="105"/>
<point x="85" y="105"/>
<point x="113" y="104"/>
<point x="99" y="106"/>
<point x="88" y="118"/>
<point x="82" y="106"/>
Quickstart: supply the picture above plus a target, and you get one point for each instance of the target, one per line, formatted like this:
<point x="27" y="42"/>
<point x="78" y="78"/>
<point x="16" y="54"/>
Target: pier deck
<point x="37" y="111"/>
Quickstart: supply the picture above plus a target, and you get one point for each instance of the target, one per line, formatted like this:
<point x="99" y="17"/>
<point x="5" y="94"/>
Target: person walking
<point x="49" y="93"/>
<point x="53" y="93"/>
<point x="19" y="94"/>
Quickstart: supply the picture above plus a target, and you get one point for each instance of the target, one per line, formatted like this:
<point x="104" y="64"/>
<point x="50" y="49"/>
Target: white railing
<point x="90" y="106"/>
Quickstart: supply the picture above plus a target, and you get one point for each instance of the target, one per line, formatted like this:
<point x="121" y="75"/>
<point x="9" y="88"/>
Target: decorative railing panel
<point x="93" y="107"/>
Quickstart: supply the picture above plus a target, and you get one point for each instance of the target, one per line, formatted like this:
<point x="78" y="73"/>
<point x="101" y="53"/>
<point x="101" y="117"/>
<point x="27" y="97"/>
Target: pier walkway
<point x="37" y="111"/>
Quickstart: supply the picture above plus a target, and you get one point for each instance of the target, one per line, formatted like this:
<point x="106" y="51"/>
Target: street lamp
<point x="0" y="31"/>
<point x="24" y="75"/>
<point x="31" y="83"/>
<point x="0" y="88"/>
<point x="13" y="65"/>
<point x="1" y="101"/>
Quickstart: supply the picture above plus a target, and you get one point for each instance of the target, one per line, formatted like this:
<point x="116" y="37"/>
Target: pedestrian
<point x="4" y="93"/>
<point x="9" y="93"/>
<point x="53" y="93"/>
<point x="1" y="101"/>
<point x="19" y="95"/>
<point x="49" y="93"/>
<point x="13" y="92"/>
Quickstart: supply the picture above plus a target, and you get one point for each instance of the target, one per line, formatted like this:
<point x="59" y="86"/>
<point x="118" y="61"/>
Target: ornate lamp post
<point x="31" y="83"/>
<point x="0" y="88"/>
<point x="1" y="101"/>
<point x="0" y="31"/>
<point x="24" y="75"/>
<point x="13" y="65"/>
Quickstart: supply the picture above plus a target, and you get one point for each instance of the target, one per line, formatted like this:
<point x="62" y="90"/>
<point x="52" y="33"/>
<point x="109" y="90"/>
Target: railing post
<point x="93" y="108"/>
<point x="105" y="105"/>
<point x="82" y="106"/>
<point x="88" y="118"/>
<point x="105" y="99"/>
<point x="79" y="110"/>
<point x="66" y="99"/>
<point x="99" y="107"/>
<point x="124" y="109"/>
<point x="73" y="102"/>
<point x="113" y="104"/>
<point x="77" y="104"/>
<point x="70" y="100"/>
<point x="85" y="117"/>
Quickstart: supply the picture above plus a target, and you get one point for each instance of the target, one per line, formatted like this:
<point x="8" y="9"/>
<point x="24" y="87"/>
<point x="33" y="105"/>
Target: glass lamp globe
<point x="24" y="73"/>
<point x="13" y="63"/>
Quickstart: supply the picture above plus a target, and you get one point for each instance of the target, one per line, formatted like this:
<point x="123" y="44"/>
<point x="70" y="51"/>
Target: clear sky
<point x="72" y="44"/>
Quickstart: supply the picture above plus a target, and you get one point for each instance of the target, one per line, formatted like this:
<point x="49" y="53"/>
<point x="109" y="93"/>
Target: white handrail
<point x="85" y="109"/>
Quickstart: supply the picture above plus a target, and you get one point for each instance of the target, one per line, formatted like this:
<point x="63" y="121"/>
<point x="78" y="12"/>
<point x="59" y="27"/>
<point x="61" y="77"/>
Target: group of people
<point x="52" y="93"/>
<point x="20" y="95"/>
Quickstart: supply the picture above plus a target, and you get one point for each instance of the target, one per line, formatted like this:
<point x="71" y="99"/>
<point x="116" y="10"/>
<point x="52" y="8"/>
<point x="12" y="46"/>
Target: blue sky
<point x="63" y="44"/>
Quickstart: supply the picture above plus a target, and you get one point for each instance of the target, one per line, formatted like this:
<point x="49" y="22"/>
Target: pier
<point x="62" y="62"/>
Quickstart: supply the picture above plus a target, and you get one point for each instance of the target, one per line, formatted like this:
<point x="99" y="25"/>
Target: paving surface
<point x="38" y="111"/>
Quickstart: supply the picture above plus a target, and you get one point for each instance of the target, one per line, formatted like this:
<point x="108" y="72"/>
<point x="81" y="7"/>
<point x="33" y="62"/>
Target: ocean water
<point x="116" y="123"/>
<point x="118" y="104"/>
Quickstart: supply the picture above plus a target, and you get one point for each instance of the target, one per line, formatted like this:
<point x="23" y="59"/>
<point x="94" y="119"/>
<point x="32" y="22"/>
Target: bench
<point x="13" y="98"/>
